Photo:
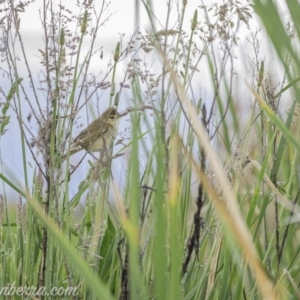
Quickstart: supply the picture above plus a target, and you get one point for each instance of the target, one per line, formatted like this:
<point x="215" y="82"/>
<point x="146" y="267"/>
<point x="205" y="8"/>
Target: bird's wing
<point x="88" y="136"/>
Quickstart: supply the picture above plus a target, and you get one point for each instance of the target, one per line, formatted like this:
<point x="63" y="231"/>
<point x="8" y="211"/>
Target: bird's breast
<point x="98" y="145"/>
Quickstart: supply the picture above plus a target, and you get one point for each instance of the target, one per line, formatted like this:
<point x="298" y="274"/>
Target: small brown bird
<point x="98" y="134"/>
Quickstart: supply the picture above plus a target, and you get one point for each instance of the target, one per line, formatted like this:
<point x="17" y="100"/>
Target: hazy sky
<point x="121" y="21"/>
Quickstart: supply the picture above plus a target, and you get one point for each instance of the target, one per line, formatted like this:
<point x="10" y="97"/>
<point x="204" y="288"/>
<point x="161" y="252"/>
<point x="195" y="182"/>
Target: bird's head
<point x="110" y="115"/>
